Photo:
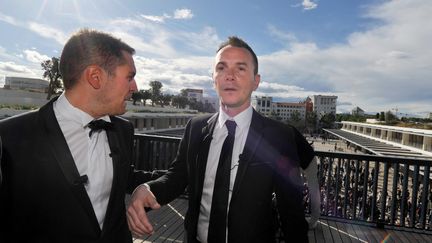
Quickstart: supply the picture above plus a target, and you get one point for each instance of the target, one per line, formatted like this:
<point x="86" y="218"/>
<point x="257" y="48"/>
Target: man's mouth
<point x="230" y="89"/>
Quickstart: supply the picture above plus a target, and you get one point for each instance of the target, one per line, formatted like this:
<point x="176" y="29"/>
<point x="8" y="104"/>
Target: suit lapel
<point x="64" y="158"/>
<point x="117" y="150"/>
<point x="252" y="141"/>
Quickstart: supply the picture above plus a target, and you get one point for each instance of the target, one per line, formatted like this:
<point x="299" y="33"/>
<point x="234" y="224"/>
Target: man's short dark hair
<point x="91" y="47"/>
<point x="238" y="42"/>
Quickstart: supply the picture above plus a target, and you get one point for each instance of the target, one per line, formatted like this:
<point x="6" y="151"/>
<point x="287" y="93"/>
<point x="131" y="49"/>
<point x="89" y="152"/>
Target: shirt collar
<point x="243" y="119"/>
<point x="73" y="114"/>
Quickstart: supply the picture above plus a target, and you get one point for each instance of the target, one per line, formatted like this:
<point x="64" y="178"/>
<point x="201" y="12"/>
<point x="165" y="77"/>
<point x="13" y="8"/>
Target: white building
<point x="195" y="94"/>
<point x="263" y="104"/>
<point x="31" y="84"/>
<point x="419" y="140"/>
<point x="286" y="110"/>
<point x="283" y="110"/>
<point x="324" y="104"/>
<point x="357" y="111"/>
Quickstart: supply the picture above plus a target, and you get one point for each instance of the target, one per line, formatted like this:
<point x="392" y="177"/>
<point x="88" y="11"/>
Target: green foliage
<point x="180" y="101"/>
<point x="19" y="107"/>
<point x="52" y="72"/>
<point x="155" y="91"/>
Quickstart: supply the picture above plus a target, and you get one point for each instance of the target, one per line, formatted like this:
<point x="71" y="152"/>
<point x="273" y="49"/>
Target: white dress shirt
<point x="243" y="121"/>
<point x="91" y="154"/>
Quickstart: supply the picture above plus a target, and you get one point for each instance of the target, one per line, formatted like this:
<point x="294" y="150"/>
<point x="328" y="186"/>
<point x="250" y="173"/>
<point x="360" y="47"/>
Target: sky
<point x="374" y="54"/>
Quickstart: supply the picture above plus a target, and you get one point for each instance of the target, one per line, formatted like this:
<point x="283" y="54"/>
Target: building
<point x="309" y="104"/>
<point x="283" y="110"/>
<point x="30" y="84"/>
<point x="357" y="111"/>
<point x="155" y="121"/>
<point x="194" y="94"/>
<point x="263" y="104"/>
<point x="286" y="110"/>
<point x="419" y="140"/>
<point x="197" y="95"/>
<point x="324" y="104"/>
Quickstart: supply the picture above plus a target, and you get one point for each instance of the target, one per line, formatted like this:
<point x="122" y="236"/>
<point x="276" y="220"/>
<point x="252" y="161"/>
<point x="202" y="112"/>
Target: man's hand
<point x="138" y="222"/>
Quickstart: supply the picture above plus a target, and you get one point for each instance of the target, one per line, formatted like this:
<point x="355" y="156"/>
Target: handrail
<point x="382" y="190"/>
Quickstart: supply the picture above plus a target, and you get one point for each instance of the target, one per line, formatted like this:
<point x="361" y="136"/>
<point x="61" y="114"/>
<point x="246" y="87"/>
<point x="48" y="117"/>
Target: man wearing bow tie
<point x="231" y="163"/>
<point x="66" y="167"/>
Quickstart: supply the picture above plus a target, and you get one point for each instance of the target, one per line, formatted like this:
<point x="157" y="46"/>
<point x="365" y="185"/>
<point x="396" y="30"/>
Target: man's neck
<point x="233" y="111"/>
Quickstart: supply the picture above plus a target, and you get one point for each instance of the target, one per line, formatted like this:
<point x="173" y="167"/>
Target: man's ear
<point x="257" y="80"/>
<point x="93" y="75"/>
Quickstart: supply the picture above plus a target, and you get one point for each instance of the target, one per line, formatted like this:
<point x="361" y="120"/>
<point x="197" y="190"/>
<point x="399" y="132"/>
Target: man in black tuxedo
<point x="67" y="166"/>
<point x="264" y="158"/>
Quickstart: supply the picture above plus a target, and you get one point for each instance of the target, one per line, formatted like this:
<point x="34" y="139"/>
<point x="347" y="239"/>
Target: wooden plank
<point x="328" y="238"/>
<point x="169" y="227"/>
<point x="367" y="233"/>
<point x="400" y="236"/>
<point x="343" y="232"/>
<point x="359" y="232"/>
<point x="334" y="232"/>
<point x="174" y="220"/>
<point x="316" y="234"/>
<point x="177" y="222"/>
<point x="352" y="233"/>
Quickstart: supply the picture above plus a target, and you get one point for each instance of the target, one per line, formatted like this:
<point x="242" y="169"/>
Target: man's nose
<point x="230" y="74"/>
<point x="133" y="86"/>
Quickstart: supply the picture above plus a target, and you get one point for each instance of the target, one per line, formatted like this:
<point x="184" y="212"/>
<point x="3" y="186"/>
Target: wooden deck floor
<point x="168" y="224"/>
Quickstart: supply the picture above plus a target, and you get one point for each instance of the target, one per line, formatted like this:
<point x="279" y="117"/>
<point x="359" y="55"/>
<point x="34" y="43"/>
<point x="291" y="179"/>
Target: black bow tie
<point x="97" y="125"/>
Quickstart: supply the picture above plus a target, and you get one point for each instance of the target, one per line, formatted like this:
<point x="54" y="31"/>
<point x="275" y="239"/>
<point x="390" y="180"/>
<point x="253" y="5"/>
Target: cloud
<point x="156" y="40"/>
<point x="35" y="57"/>
<point x="309" y="5"/>
<point x="159" y="19"/>
<point x="175" y="73"/>
<point x="8" y="19"/>
<point x="13" y="69"/>
<point x="387" y="65"/>
<point x="48" y="32"/>
<point x="183" y="13"/>
<point x="37" y="28"/>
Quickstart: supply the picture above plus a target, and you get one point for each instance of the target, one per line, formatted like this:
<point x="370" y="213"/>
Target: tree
<point x="52" y="72"/>
<point x="145" y="95"/>
<point x="180" y="101"/>
<point x="165" y="99"/>
<point x="327" y="120"/>
<point x="382" y="116"/>
<point x="390" y="118"/>
<point x="136" y="96"/>
<point x="311" y="121"/>
<point x="155" y="91"/>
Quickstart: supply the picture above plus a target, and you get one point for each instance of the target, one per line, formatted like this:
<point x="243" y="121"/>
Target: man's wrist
<point x="147" y="186"/>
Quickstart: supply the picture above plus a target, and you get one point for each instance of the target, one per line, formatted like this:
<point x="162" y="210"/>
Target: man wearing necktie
<point x="66" y="167"/>
<point x="230" y="189"/>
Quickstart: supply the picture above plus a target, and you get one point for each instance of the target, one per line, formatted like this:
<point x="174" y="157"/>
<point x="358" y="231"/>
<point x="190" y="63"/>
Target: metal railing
<point x="381" y="190"/>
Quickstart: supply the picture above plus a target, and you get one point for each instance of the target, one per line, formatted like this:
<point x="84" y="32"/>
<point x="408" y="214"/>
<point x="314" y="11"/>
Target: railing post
<point x="394" y="193"/>
<point x="424" y="209"/>
<point x="404" y="198"/>
<point x="383" y="198"/>
<point x="414" y="194"/>
<point x="374" y="207"/>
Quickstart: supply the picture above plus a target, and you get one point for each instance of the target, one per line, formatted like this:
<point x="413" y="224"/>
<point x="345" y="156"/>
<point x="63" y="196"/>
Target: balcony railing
<point x="380" y="190"/>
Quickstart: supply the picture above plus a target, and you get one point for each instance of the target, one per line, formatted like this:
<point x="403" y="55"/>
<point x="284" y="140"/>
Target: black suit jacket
<point x="269" y="163"/>
<point x="42" y="198"/>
